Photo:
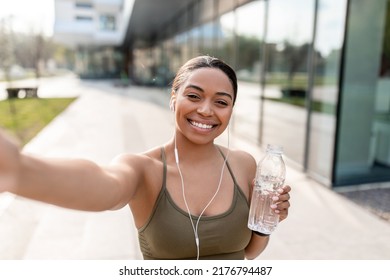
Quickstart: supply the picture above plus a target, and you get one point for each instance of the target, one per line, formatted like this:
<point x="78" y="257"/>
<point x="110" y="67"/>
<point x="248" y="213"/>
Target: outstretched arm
<point x="71" y="183"/>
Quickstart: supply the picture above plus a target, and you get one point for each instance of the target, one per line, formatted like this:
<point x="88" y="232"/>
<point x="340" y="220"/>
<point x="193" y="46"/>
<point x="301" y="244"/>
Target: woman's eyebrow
<point x="221" y="93"/>
<point x="195" y="87"/>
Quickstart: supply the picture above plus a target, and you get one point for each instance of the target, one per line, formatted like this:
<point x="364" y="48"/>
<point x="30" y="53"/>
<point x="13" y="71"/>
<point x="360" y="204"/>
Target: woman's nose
<point x="205" y="109"/>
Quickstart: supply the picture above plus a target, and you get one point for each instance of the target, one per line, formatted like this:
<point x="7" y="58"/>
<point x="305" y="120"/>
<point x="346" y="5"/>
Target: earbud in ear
<point x="172" y="106"/>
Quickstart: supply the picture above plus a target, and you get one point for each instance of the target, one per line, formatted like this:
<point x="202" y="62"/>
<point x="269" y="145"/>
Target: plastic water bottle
<point x="270" y="176"/>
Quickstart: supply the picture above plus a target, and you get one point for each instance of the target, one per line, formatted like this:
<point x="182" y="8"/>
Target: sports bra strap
<point x="228" y="166"/>
<point x="163" y="158"/>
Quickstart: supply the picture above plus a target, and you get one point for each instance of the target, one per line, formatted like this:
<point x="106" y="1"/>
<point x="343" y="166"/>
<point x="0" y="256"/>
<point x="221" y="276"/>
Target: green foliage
<point x="320" y="107"/>
<point x="249" y="51"/>
<point x="24" y="118"/>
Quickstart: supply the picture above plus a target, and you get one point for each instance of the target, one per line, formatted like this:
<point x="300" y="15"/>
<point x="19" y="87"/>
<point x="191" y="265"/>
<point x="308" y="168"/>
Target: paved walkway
<point x="105" y="121"/>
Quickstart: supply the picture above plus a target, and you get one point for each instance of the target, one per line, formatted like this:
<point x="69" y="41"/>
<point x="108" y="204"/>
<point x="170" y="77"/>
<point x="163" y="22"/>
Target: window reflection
<point x="249" y="24"/>
<point x="363" y="153"/>
<point x="290" y="85"/>
<point x="327" y="57"/>
<point x="250" y="27"/>
<point x="107" y="23"/>
<point x="208" y="38"/>
<point x="381" y="126"/>
<point x="288" y="43"/>
<point x="385" y="57"/>
<point x="226" y="39"/>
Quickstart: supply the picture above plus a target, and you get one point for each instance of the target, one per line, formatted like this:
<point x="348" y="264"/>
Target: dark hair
<point x="204" y="62"/>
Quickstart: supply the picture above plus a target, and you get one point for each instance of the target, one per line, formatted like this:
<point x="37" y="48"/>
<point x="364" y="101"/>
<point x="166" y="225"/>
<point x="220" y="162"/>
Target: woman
<point x="189" y="198"/>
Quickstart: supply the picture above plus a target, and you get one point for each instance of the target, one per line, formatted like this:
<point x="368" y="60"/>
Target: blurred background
<point x="314" y="75"/>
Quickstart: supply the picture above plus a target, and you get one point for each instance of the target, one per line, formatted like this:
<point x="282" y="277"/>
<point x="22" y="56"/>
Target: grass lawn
<point x="24" y="118"/>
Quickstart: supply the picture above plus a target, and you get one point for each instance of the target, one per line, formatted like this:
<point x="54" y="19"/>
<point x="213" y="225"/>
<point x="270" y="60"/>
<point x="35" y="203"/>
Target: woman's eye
<point x="193" y="96"/>
<point x="222" y="103"/>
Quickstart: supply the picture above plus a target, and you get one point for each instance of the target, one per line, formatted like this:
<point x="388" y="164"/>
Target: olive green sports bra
<point x="168" y="233"/>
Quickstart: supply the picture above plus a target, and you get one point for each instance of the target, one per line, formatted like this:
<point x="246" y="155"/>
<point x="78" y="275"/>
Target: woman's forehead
<point x="209" y="77"/>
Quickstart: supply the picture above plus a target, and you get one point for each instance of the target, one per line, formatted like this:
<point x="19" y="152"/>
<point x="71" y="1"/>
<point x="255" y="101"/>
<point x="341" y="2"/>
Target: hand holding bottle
<point x="281" y="202"/>
<point x="269" y="201"/>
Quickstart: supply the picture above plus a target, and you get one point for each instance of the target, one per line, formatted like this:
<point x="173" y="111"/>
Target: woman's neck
<point x="189" y="151"/>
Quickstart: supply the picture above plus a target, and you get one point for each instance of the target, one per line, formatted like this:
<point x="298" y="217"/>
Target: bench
<point x="29" y="92"/>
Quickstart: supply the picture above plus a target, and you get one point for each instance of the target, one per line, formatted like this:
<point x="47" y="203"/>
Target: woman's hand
<point x="9" y="162"/>
<point x="282" y="202"/>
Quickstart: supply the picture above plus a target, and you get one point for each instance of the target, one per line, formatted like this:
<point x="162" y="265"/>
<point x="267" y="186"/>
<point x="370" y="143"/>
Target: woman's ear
<point x="172" y="106"/>
<point x="172" y="102"/>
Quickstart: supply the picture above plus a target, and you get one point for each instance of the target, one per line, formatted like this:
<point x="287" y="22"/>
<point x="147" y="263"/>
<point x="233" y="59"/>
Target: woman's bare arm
<point x="71" y="183"/>
<point x="256" y="246"/>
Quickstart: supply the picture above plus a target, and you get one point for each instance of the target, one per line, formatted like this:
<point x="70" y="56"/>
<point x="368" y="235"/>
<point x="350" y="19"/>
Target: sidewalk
<point x="106" y="121"/>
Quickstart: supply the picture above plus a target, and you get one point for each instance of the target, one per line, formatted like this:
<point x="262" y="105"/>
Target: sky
<point x="29" y="15"/>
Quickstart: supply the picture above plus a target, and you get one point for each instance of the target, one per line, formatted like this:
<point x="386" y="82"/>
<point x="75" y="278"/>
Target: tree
<point x="249" y="48"/>
<point x="6" y="46"/>
<point x="296" y="56"/>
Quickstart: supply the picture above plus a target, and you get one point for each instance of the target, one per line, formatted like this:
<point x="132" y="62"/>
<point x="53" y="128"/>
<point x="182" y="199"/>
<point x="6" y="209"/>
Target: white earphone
<point x="195" y="226"/>
<point x="172" y="106"/>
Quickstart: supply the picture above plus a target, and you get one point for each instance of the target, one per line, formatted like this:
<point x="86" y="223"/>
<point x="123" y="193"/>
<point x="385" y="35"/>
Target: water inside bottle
<point x="262" y="217"/>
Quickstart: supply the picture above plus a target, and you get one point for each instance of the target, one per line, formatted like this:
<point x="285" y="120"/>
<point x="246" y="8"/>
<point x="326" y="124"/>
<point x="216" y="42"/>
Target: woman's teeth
<point x="201" y="125"/>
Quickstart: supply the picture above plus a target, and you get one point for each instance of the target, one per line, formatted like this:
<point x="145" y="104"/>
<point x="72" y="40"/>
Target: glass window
<point x="144" y="70"/>
<point x="176" y="60"/>
<point x="167" y="68"/>
<point x="385" y="56"/>
<point x="225" y="6"/>
<point x="84" y="5"/>
<point x="97" y="62"/>
<point x="249" y="25"/>
<point x="195" y="41"/>
<point x="226" y="37"/>
<point x="326" y="58"/>
<point x="84" y="18"/>
<point x="208" y="40"/>
<point x="363" y="151"/>
<point x="250" y="33"/>
<point x="107" y="23"/>
<point x="288" y="42"/>
<point x="380" y="144"/>
<point x="207" y="10"/>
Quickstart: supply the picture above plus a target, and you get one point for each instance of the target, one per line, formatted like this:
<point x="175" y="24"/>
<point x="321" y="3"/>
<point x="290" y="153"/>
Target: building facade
<point x="95" y="29"/>
<point x="314" y="75"/>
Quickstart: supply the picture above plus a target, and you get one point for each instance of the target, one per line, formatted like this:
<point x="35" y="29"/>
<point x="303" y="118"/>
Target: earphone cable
<point x="195" y="228"/>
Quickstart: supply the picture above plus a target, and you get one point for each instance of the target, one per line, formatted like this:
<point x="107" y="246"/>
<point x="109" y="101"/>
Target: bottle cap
<point x="275" y="149"/>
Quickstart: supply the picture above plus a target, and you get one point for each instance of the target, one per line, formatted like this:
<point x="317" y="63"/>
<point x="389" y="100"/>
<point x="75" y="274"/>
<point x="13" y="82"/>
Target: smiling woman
<point x="189" y="197"/>
<point x="206" y="100"/>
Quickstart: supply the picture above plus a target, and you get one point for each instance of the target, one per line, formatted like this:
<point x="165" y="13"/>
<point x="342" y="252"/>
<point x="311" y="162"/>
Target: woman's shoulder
<point x="144" y="159"/>
<point x="240" y="159"/>
<point x="145" y="168"/>
<point x="238" y="155"/>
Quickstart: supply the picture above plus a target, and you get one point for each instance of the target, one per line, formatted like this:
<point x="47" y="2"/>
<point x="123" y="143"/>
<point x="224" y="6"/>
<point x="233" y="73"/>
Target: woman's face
<point x="203" y="105"/>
